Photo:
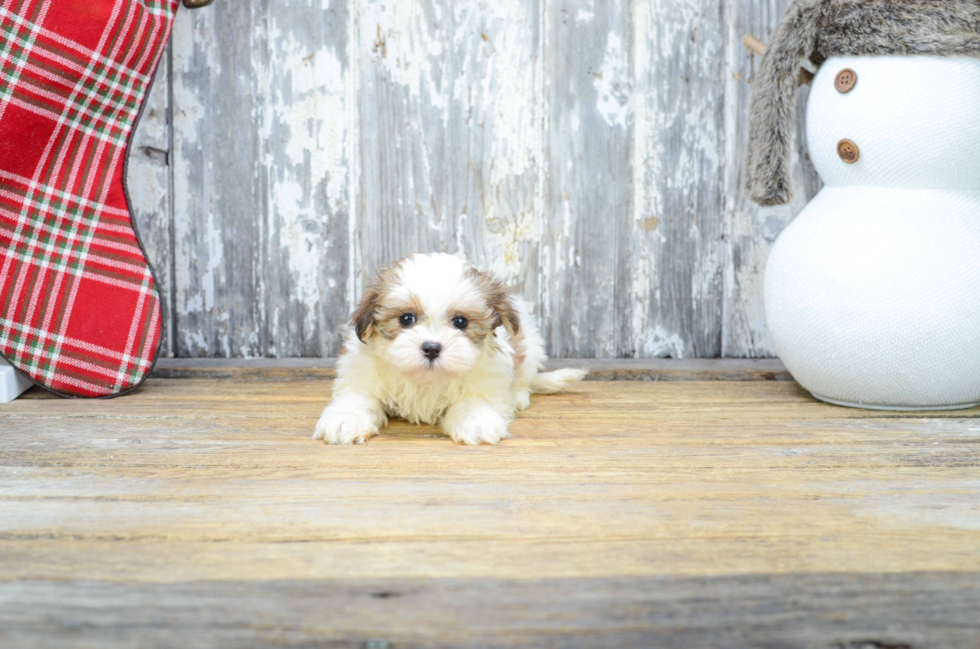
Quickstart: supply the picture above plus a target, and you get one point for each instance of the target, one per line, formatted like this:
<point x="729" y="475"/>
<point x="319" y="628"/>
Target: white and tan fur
<point x="483" y="374"/>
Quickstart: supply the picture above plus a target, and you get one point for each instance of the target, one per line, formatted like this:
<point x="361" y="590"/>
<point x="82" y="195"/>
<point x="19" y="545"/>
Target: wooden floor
<point x="197" y="512"/>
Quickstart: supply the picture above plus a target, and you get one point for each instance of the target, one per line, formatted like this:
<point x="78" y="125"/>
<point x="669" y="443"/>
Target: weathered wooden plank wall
<point x="751" y="230"/>
<point x="587" y="152"/>
<point x="149" y="183"/>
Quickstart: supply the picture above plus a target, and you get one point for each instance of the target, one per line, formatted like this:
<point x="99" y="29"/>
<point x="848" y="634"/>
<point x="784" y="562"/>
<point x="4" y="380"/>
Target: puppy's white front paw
<point x="342" y="426"/>
<point x="483" y="426"/>
<point x="522" y="399"/>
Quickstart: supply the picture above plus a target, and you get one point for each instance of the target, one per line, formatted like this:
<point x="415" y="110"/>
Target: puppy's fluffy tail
<point x="556" y="381"/>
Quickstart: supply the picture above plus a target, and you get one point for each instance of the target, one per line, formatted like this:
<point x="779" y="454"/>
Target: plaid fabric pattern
<point x="79" y="310"/>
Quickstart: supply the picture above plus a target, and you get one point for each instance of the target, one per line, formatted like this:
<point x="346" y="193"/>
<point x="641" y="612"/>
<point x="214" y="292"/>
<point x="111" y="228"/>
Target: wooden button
<point x="845" y="80"/>
<point x="848" y="151"/>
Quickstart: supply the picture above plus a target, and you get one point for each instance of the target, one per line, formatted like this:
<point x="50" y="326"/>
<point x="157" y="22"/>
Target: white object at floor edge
<point x="12" y="383"/>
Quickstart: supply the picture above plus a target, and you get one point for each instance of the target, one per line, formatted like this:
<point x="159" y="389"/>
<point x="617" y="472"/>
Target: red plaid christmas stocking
<point x="79" y="310"/>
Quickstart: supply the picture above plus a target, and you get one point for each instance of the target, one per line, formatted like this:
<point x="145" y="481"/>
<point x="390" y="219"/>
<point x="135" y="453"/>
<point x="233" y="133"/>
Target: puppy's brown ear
<point x="504" y="311"/>
<point x="364" y="317"/>
<point x="507" y="313"/>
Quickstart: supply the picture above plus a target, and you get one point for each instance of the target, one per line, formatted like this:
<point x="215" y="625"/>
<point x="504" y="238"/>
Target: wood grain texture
<point x="402" y="128"/>
<point x="897" y="611"/>
<point x="586" y="296"/>
<point x="588" y="153"/>
<point x="262" y="178"/>
<point x="631" y="369"/>
<point x="148" y="177"/>
<point x="305" y="114"/>
<point x="218" y="479"/>
<point x="218" y="197"/>
<point x="654" y="513"/>
<point x="752" y="229"/>
<point x="678" y="220"/>
<point x="449" y="133"/>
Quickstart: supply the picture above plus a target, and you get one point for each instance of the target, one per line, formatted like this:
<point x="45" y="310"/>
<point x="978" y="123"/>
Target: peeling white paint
<point x="659" y="343"/>
<point x="214" y="241"/>
<point x="495" y="40"/>
<point x="585" y="15"/>
<point x="645" y="161"/>
<point x="197" y="259"/>
<point x="613" y="84"/>
<point x="304" y="128"/>
<point x="400" y="38"/>
<point x="148" y="180"/>
<point x="437" y="125"/>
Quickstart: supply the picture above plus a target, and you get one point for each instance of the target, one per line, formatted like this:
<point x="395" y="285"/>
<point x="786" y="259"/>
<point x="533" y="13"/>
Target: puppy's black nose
<point x="431" y="350"/>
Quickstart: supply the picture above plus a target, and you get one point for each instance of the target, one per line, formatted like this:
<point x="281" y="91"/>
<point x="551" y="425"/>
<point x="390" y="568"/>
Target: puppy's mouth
<point x="436" y="369"/>
<point x="428" y="371"/>
<point x="434" y="366"/>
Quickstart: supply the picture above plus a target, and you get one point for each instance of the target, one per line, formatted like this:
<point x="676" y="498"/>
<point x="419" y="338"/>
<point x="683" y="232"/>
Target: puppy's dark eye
<point x="406" y="319"/>
<point x="460" y="322"/>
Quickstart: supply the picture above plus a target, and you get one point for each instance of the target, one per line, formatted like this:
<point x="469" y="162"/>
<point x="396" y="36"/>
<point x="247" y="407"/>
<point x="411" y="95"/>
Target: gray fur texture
<point x="819" y="29"/>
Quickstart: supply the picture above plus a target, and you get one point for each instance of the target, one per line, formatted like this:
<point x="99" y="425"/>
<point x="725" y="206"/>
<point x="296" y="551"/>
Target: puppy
<point x="436" y="341"/>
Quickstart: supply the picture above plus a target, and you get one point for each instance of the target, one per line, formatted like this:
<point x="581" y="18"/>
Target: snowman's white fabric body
<point x="872" y="293"/>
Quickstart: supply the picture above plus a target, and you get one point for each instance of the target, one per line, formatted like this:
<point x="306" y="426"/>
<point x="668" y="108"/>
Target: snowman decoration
<point x="872" y="293"/>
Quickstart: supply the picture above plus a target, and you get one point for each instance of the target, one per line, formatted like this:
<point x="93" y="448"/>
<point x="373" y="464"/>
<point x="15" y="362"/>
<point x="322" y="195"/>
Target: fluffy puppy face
<point x="431" y="316"/>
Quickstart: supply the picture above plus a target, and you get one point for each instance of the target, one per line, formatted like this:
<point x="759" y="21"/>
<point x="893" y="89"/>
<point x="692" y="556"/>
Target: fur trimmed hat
<point x="819" y="29"/>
